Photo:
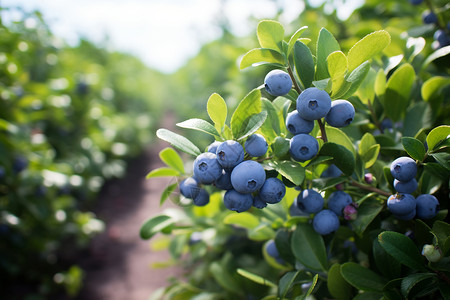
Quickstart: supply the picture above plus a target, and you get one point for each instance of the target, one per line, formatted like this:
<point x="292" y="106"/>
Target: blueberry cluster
<point x="244" y="181"/>
<point x="325" y="221"/>
<point x="441" y="35"/>
<point x="403" y="205"/>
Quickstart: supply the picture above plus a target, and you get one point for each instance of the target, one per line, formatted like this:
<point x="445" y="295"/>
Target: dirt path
<point x="118" y="261"/>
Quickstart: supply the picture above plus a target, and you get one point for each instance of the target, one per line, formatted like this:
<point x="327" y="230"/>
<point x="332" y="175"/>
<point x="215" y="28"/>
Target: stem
<point x="322" y="130"/>
<point x="296" y="86"/>
<point x="370" y="188"/>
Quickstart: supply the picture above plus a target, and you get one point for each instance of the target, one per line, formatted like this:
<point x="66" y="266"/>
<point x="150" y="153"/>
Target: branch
<point x="370" y="188"/>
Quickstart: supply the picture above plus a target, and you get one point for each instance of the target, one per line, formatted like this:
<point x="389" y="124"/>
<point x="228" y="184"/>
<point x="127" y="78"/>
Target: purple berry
<point x="338" y="200"/>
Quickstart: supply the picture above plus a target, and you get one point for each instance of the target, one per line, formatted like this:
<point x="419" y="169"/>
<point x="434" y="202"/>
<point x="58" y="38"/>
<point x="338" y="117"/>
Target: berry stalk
<point x="370" y="188"/>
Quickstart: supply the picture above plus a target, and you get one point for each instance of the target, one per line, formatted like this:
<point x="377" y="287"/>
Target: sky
<point x="163" y="33"/>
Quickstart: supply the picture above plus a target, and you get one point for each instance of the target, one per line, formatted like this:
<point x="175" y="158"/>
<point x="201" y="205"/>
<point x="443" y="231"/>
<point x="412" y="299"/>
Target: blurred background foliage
<point x="71" y="118"/>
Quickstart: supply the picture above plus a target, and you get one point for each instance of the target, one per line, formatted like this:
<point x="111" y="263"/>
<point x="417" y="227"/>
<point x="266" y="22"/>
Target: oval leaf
<point x="217" y="110"/>
<point x="250" y="105"/>
<point x="200" y="125"/>
<point x="342" y="157"/>
<point x="414" y="148"/>
<point x="433" y="86"/>
<point x="178" y="141"/>
<point x="437" y="135"/>
<point x="171" y="158"/>
<point x="295" y="37"/>
<point x="251" y="125"/>
<point x="154" y="225"/>
<point x="337" y="285"/>
<point x="326" y="44"/>
<point x="244" y="219"/>
<point x="309" y="248"/>
<point x="367" y="48"/>
<point x="304" y="64"/>
<point x="289" y="169"/>
<point x="270" y="34"/>
<point x="260" y="56"/>
<point x="337" y="64"/>
<point x="256" y="278"/>
<point x="362" y="278"/>
<point x="162" y="172"/>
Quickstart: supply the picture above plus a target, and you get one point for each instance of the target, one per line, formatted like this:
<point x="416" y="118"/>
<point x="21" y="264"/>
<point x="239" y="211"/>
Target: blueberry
<point x="213" y="147"/>
<point x="331" y="172"/>
<point x="224" y="181"/>
<point x="229" y="154"/>
<point x="272" y="251"/>
<point x="236" y="201"/>
<point x="296" y="124"/>
<point x="341" y="113"/>
<point x="338" y="200"/>
<point x="272" y="191"/>
<point x="401" y="204"/>
<point x="429" y="17"/>
<point x="189" y="188"/>
<point x="407" y="216"/>
<point x="195" y="237"/>
<point x="405" y="187"/>
<point x="202" y="198"/>
<point x="427" y="206"/>
<point x="2" y="172"/>
<point x="303" y="147"/>
<point x="325" y="222"/>
<point x="256" y="145"/>
<point x="295" y="211"/>
<point x="248" y="177"/>
<point x="404" y="168"/>
<point x="441" y="37"/>
<point x="277" y="83"/>
<point x="258" y="202"/>
<point x="20" y="163"/>
<point x="386" y="124"/>
<point x="416" y="2"/>
<point x="310" y="201"/>
<point x="313" y="104"/>
<point x="207" y="168"/>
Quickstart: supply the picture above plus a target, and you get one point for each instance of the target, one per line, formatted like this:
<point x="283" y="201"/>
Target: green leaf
<point x="167" y="192"/>
<point x="398" y="89"/>
<point x="171" y="158"/>
<point x="271" y="127"/>
<point x="367" y="141"/>
<point x="304" y="64"/>
<point x="370" y="157"/>
<point x="337" y="136"/>
<point x="270" y="35"/>
<point x="155" y="225"/>
<point x="411" y="281"/>
<point x="252" y="124"/>
<point x="366" y="91"/>
<point x="313" y="286"/>
<point x="414" y="148"/>
<point x="402" y="249"/>
<point x="178" y="141"/>
<point x="309" y="248"/>
<point x="295" y="37"/>
<point x="261" y="56"/>
<point x="441" y="231"/>
<point x="369" y="296"/>
<point x="217" y="110"/>
<point x="244" y="219"/>
<point x="326" y="44"/>
<point x="280" y="147"/>
<point x="387" y="265"/>
<point x="162" y="172"/>
<point x="367" y="48"/>
<point x="443" y="159"/>
<point x="433" y="86"/>
<point x="262" y="232"/>
<point x="337" y="285"/>
<point x="337" y="64"/>
<point x="342" y="157"/>
<point x="362" y="278"/>
<point x="435" y="55"/>
<point x="367" y="212"/>
<point x="356" y="78"/>
<point x="224" y="278"/>
<point x="256" y="278"/>
<point x="200" y="125"/>
<point x="437" y="135"/>
<point x="289" y="169"/>
<point x="380" y="83"/>
<point x="250" y="105"/>
<point x="414" y="46"/>
<point x="418" y="117"/>
<point x="289" y="279"/>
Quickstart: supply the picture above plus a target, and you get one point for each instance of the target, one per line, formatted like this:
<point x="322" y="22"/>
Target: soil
<point x="118" y="262"/>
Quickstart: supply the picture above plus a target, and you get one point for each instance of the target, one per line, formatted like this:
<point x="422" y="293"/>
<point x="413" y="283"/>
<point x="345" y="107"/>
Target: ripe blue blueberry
<point x="338" y="200"/>
<point x="202" y="198"/>
<point x="407" y="216"/>
<point x="441" y="37"/>
<point x="313" y="104"/>
<point x="429" y="17"/>
<point x="404" y="168"/>
<point x="213" y="146"/>
<point x="229" y="154"/>
<point x="303" y="147"/>
<point x="20" y="163"/>
<point x="295" y="211"/>
<point x="273" y="190"/>
<point x="386" y="124"/>
<point x="296" y="124"/>
<point x="248" y="177"/>
<point x="331" y="172"/>
<point x="325" y="222"/>
<point x="277" y="83"/>
<point x="310" y="201"/>
<point x="189" y="188"/>
<point x="341" y="113"/>
<point x="207" y="168"/>
<point x="427" y="206"/>
<point x="401" y="204"/>
<point x="256" y="145"/>
<point x="236" y="201"/>
<point x="405" y="187"/>
<point x="258" y="202"/>
<point x="2" y="172"/>
<point x="415" y="2"/>
<point x="272" y="251"/>
<point x="224" y="181"/>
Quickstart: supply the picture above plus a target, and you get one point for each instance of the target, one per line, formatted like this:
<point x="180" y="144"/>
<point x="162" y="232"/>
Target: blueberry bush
<point x="329" y="179"/>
